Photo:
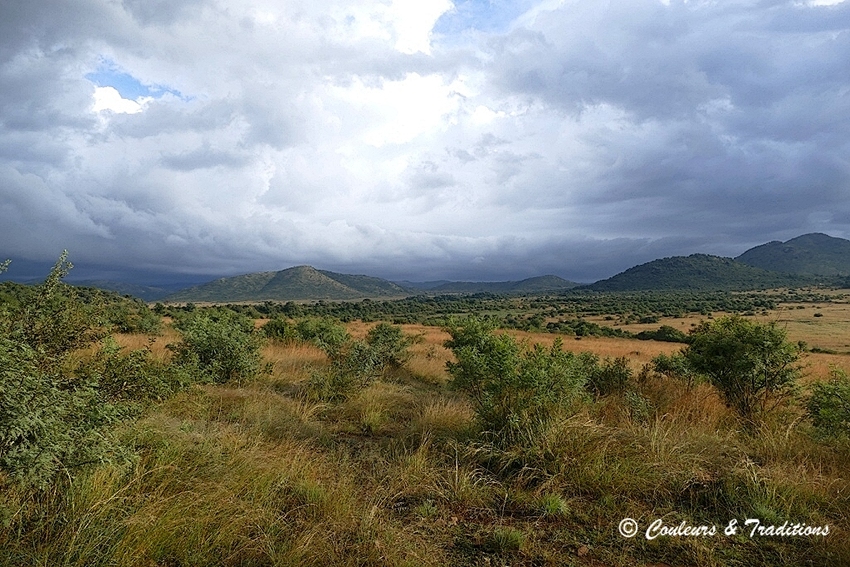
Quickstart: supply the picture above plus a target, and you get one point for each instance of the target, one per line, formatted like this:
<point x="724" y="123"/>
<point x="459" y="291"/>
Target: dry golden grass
<point x="155" y="343"/>
<point x="639" y="352"/>
<point x="292" y="363"/>
<point x="380" y="408"/>
<point x="442" y="416"/>
<point x="397" y="474"/>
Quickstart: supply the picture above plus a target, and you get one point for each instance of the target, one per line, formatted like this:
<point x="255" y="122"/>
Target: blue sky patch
<point x="109" y="74"/>
<point x="482" y="15"/>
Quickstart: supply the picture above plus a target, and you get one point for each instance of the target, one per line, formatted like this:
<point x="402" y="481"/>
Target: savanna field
<point x="207" y="436"/>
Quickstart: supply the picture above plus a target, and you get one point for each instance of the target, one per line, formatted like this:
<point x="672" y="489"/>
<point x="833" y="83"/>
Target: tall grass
<point x="399" y="474"/>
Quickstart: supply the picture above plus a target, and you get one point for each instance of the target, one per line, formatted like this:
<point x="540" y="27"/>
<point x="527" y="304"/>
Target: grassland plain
<point x="398" y="473"/>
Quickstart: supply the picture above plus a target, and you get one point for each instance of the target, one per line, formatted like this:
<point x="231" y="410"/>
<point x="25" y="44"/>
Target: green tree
<point x="752" y="364"/>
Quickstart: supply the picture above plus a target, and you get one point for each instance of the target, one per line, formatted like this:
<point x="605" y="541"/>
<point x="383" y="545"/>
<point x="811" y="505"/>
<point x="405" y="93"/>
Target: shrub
<point x="222" y="344"/>
<point x="513" y="389"/>
<point x="133" y="316"/>
<point x="49" y="418"/>
<point x="610" y="377"/>
<point x="390" y="345"/>
<point x="675" y="366"/>
<point x="829" y="405"/>
<point x="280" y="330"/>
<point x="132" y="379"/>
<point x="664" y="333"/>
<point x="355" y="364"/>
<point x="326" y="333"/>
<point x="751" y="364"/>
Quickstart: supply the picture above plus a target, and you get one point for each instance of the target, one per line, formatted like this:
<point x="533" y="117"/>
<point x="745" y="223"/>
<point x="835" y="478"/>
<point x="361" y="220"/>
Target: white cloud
<point x="109" y="99"/>
<point x="347" y="134"/>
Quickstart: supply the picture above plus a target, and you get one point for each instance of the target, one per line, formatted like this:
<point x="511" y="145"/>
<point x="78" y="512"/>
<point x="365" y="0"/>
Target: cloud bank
<point x="419" y="140"/>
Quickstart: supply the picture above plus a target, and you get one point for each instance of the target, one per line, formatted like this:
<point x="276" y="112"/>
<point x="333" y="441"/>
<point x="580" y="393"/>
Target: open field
<point x="398" y="471"/>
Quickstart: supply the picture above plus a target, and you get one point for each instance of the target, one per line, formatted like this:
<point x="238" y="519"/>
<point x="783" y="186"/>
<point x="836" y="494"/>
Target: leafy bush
<point x="49" y="418"/>
<point x="675" y="366"/>
<point x="664" y="333"/>
<point x="514" y="389"/>
<point x="829" y="405"/>
<point x="132" y="379"/>
<point x="132" y="316"/>
<point x="355" y="364"/>
<point x="281" y="330"/>
<point x="389" y="345"/>
<point x="222" y="344"/>
<point x="751" y="364"/>
<point x="55" y="322"/>
<point x="326" y="333"/>
<point x="610" y="377"/>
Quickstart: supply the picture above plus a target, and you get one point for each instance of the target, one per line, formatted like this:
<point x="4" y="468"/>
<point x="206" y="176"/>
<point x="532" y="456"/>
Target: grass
<point x="397" y="474"/>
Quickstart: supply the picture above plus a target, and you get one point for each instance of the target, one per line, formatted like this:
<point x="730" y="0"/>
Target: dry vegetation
<point x="397" y="473"/>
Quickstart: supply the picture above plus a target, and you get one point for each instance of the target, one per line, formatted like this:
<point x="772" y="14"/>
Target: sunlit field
<point x="397" y="470"/>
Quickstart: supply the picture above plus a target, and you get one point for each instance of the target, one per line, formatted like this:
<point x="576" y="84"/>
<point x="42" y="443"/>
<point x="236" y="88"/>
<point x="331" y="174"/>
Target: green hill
<point x="143" y="292"/>
<point x="530" y="285"/>
<point x="298" y="283"/>
<point x="699" y="272"/>
<point x="809" y="254"/>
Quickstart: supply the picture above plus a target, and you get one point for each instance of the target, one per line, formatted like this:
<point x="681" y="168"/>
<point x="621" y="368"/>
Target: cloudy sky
<point x="417" y="139"/>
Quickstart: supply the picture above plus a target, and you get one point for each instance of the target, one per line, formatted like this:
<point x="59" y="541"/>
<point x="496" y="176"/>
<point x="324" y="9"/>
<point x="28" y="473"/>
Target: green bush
<point x="829" y="405"/>
<point x="752" y="364"/>
<point x="610" y="377"/>
<point x="223" y="345"/>
<point x="50" y="419"/>
<point x="514" y="389"/>
<point x="675" y="366"/>
<point x="131" y="380"/>
<point x="664" y="333"/>
<point x="280" y="330"/>
<point x="355" y="364"/>
<point x="389" y="345"/>
<point x="132" y="316"/>
<point x="326" y="333"/>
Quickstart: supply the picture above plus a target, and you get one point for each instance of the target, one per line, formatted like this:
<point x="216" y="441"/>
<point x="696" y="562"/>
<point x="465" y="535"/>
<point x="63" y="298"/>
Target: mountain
<point x="700" y="272"/>
<point x="143" y="292"/>
<point x="809" y="254"/>
<point x="530" y="285"/>
<point x="424" y="286"/>
<point x="298" y="283"/>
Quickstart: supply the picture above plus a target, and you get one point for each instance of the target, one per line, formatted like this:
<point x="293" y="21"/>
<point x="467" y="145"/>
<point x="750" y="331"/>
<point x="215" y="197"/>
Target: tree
<point x="752" y="364"/>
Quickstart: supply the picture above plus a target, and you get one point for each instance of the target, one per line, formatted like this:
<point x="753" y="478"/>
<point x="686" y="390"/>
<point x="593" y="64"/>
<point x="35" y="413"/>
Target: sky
<point x="168" y="140"/>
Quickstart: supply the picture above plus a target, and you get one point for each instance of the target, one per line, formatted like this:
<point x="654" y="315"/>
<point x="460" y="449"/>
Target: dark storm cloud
<point x="578" y="138"/>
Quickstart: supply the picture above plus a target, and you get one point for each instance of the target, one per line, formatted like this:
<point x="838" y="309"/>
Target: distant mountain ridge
<point x="529" y="285"/>
<point x="807" y="259"/>
<point x="297" y="283"/>
<point x="812" y="254"/>
<point x="308" y="283"/>
<point x="143" y="292"/>
<point x="697" y="272"/>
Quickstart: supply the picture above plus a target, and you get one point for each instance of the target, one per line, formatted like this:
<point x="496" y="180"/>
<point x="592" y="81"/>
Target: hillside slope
<point x="297" y="283"/>
<point x="696" y="272"/>
<point x="529" y="285"/>
<point x="809" y="254"/>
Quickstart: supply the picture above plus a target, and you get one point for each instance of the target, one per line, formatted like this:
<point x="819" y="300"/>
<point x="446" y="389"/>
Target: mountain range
<point x="805" y="260"/>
